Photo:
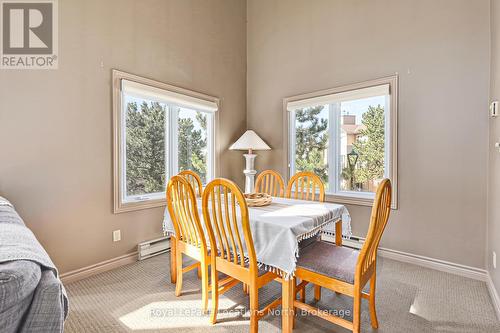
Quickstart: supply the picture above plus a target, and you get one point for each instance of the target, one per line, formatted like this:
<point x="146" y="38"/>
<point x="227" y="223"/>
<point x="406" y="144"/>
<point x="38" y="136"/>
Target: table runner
<point x="278" y="228"/>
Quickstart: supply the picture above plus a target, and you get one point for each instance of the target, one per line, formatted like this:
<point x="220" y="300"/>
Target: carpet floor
<point x="140" y="298"/>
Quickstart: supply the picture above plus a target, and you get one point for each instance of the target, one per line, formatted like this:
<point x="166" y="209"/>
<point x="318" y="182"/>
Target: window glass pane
<point x="145" y="146"/>
<point x="362" y="144"/>
<point x="311" y="141"/>
<point x="192" y="142"/>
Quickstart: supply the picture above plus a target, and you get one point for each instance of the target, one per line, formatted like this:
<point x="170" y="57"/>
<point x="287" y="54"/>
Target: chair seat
<point x="329" y="260"/>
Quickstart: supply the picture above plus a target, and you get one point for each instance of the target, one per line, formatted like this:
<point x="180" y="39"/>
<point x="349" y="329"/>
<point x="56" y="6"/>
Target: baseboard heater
<point x="353" y="242"/>
<point x="153" y="247"/>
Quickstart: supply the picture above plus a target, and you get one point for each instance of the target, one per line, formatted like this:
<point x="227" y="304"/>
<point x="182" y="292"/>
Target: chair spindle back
<point x="193" y="179"/>
<point x="304" y="185"/>
<point x="270" y="182"/>
<point x="225" y="214"/>
<point x="378" y="221"/>
<point x="183" y="210"/>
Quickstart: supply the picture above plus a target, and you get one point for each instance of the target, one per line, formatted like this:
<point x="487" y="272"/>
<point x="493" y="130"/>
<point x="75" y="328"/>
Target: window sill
<point x="129" y="206"/>
<point x="358" y="200"/>
<point x="350" y="199"/>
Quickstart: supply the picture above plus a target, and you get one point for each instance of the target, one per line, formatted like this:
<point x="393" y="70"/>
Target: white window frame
<point x="123" y="203"/>
<point x="391" y="140"/>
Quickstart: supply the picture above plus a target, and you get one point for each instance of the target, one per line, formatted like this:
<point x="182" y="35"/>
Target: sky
<point x="356" y="107"/>
<point x="359" y="106"/>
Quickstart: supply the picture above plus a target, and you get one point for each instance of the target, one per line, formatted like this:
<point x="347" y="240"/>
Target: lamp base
<point x="249" y="172"/>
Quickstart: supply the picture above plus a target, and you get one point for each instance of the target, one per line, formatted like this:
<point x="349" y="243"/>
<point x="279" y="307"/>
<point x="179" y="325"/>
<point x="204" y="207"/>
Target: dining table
<point x="278" y="230"/>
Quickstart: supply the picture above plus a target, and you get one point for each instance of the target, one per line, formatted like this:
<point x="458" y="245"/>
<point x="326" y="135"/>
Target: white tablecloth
<point x="278" y="228"/>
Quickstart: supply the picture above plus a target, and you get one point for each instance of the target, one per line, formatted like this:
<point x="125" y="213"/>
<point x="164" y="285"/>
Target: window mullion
<point x="338" y="138"/>
<point x="387" y="138"/>
<point x="292" y="153"/>
<point x="331" y="149"/>
<point x="210" y="147"/>
<point x="335" y="143"/>
<point x="173" y="154"/>
<point x="167" y="144"/>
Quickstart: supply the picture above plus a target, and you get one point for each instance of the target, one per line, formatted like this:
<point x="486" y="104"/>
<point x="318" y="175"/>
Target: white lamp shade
<point x="249" y="140"/>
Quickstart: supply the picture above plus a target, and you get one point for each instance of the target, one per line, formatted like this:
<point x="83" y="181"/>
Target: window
<point x="347" y="136"/>
<point x="159" y="131"/>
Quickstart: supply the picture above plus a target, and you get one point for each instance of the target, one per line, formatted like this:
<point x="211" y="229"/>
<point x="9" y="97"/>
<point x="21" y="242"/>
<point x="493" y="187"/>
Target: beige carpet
<point x="140" y="298"/>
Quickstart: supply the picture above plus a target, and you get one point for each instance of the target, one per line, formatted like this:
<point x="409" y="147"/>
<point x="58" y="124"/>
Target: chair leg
<point x="204" y="285"/>
<point x="373" y="312"/>
<point x="302" y="295"/>
<point x="173" y="263"/>
<point x="254" y="307"/>
<point x="199" y="271"/>
<point x="356" y="311"/>
<point x="317" y="292"/>
<point x="302" y="298"/>
<point x="178" y="282"/>
<point x="215" y="293"/>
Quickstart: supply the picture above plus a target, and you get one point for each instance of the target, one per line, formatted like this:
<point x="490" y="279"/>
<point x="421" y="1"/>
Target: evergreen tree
<point x="371" y="146"/>
<point x="145" y="144"/>
<point x="192" y="145"/>
<point x="311" y="142"/>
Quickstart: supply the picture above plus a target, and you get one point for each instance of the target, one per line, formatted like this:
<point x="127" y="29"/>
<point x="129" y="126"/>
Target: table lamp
<point x="249" y="141"/>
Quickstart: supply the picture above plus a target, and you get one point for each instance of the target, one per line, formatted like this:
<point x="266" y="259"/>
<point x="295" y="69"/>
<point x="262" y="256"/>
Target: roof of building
<point x="353" y="129"/>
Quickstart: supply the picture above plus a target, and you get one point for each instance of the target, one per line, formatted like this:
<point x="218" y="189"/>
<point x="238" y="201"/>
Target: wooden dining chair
<point x="194" y="179"/>
<point x="346" y="270"/>
<point x="270" y="182"/>
<point x="189" y="236"/>
<point x="303" y="186"/>
<point x="226" y="217"/>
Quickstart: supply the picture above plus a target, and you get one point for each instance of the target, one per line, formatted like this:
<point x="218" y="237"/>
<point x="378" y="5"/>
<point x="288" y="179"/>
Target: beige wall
<point x="441" y="51"/>
<point x="55" y="126"/>
<point x="493" y="229"/>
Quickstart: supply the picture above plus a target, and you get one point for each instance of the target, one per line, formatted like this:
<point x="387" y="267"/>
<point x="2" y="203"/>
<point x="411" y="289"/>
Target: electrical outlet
<point x="117" y="236"/>
<point x="494" y="260"/>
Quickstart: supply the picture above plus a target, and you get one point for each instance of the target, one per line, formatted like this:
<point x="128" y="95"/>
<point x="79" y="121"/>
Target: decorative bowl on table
<point x="258" y="199"/>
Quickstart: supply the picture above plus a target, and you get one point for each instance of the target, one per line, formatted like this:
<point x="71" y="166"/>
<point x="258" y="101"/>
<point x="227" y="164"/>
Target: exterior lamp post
<point x="352" y="159"/>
